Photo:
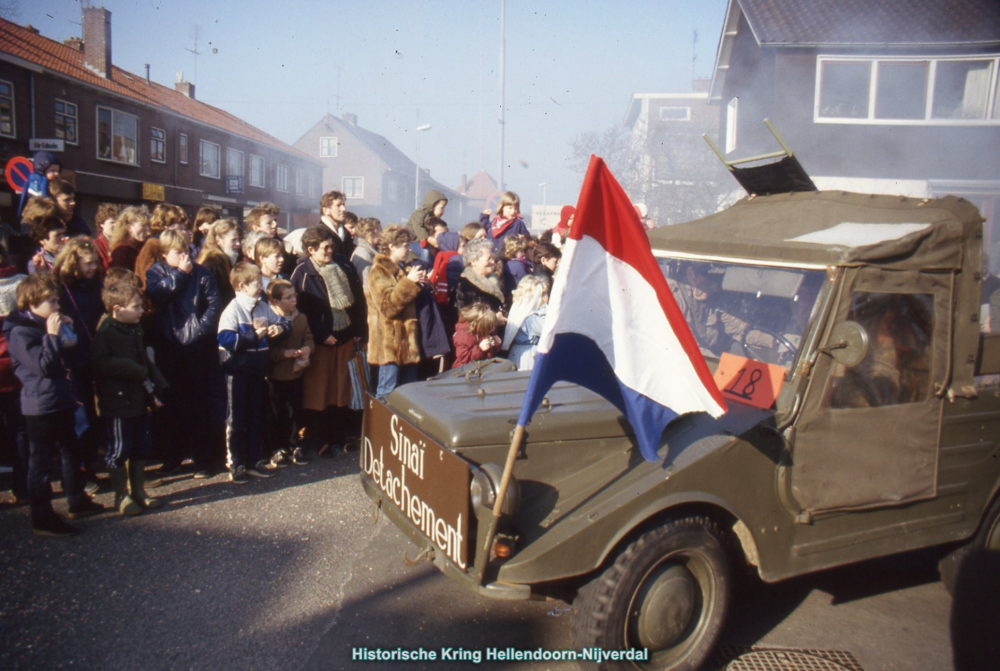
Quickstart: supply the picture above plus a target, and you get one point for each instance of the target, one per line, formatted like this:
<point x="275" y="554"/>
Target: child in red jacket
<point x="475" y="335"/>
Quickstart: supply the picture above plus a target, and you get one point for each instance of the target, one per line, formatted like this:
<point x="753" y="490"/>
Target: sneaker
<point x="202" y="474"/>
<point x="280" y="459"/>
<point x="299" y="457"/>
<point x="239" y="476"/>
<point x="260" y="470"/>
<point x="55" y="527"/>
<point x="85" y="509"/>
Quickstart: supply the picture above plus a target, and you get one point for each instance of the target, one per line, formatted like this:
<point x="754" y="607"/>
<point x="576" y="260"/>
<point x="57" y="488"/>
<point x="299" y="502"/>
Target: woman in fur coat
<point x="393" y="330"/>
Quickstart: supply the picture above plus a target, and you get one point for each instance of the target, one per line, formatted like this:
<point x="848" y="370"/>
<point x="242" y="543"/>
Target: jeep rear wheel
<point x="667" y="591"/>
<point x="987" y="537"/>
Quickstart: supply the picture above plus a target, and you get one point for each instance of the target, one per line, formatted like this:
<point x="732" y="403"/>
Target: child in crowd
<point x="104" y="223"/>
<point x="203" y="221"/>
<point x="186" y="321"/>
<point x="508" y="221"/>
<point x="515" y="263"/>
<point x="47" y="403"/>
<point x="246" y="326"/>
<point x="547" y="258"/>
<point x="49" y="233"/>
<point x="12" y="431"/>
<point x="127" y="382"/>
<point x="525" y="321"/>
<point x="475" y="335"/>
<point x="132" y="229"/>
<point x="284" y="375"/>
<point x="268" y="254"/>
<point x="64" y="194"/>
<point x="78" y="271"/>
<point x="369" y="233"/>
<point x="47" y="168"/>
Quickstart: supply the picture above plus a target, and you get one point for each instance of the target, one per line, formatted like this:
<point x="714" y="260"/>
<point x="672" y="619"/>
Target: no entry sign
<point x="17" y="172"/>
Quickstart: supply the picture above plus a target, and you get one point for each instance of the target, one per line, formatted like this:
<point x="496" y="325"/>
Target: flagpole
<point x="483" y="556"/>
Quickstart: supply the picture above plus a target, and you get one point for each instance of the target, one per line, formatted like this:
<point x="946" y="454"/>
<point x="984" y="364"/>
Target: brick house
<point x="892" y="97"/>
<point x="377" y="178"/>
<point x="128" y="140"/>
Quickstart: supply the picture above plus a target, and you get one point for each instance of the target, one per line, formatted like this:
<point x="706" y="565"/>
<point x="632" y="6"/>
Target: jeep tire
<point x="987" y="537"/>
<point x="667" y="591"/>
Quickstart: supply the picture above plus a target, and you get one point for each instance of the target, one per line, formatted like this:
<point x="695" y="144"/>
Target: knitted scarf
<point x="338" y="292"/>
<point x="488" y="285"/>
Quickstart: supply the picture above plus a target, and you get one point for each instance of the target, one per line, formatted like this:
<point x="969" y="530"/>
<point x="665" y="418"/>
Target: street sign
<point x="234" y="184"/>
<point x="17" y="172"/>
<point x="42" y="144"/>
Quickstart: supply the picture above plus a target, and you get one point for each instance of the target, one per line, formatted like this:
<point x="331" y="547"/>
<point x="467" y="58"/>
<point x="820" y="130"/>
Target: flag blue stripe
<point x="576" y="358"/>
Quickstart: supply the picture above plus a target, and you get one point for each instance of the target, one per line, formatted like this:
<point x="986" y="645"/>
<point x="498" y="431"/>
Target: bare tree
<point x="671" y="170"/>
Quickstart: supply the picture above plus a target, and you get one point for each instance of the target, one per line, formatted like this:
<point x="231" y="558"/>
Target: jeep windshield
<point x="760" y="312"/>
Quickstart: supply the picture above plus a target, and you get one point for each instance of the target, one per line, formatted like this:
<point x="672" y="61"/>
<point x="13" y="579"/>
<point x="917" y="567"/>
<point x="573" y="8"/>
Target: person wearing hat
<point x="47" y="168"/>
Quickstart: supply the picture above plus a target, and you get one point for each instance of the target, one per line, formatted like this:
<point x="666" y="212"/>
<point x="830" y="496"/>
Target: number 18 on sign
<point x="747" y="381"/>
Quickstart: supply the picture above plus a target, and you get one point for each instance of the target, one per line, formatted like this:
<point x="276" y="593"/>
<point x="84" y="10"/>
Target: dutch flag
<point x="613" y="325"/>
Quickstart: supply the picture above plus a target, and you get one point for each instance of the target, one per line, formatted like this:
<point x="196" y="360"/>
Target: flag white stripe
<point x="612" y="304"/>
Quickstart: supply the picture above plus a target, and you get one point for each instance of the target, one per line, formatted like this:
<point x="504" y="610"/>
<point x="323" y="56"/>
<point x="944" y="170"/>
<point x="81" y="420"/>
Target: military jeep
<point x="876" y="433"/>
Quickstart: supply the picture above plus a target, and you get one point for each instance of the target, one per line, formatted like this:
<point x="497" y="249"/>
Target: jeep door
<point x="868" y="435"/>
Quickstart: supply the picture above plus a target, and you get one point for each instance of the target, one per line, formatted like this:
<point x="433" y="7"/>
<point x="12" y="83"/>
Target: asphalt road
<point x="294" y="573"/>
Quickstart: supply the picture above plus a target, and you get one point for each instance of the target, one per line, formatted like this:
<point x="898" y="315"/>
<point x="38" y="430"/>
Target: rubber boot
<point x="123" y="502"/>
<point x="136" y="478"/>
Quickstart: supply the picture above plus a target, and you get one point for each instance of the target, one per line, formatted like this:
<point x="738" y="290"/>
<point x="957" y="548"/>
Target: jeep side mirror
<point x="848" y="344"/>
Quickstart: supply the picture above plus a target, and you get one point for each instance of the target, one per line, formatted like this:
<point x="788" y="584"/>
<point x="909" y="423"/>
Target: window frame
<point x="992" y="117"/>
<point x="312" y="185"/>
<point x="75" y="117"/>
<point x="13" y="111"/>
<point x="183" y="149"/>
<point x="732" y="116"/>
<point x="352" y="194"/>
<point x="334" y="143"/>
<point x="300" y="182"/>
<point x="263" y="171"/>
<point x="686" y="108"/>
<point x="97" y="131"/>
<point x="201" y="159"/>
<point x="243" y="159"/>
<point x="152" y="142"/>
<point x="281" y="178"/>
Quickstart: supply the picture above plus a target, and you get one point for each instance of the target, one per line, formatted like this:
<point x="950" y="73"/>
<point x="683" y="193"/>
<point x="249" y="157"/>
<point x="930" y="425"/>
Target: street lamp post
<point x="416" y="167"/>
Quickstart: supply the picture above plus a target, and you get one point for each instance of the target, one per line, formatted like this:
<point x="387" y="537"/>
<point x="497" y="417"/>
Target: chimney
<point x="351" y="118"/>
<point x="148" y="83"/>
<point x="97" y="40"/>
<point x="74" y="43"/>
<point x="187" y="88"/>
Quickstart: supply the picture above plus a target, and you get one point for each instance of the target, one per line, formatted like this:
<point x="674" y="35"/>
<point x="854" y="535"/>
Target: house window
<point x="256" y="171"/>
<point x="117" y="136"/>
<point x="234" y="163"/>
<point x="300" y="183"/>
<point x="182" y="149"/>
<point x="328" y="147"/>
<point x="393" y="190"/>
<point x="282" y="178"/>
<point x="943" y="91"/>
<point x="675" y="114"/>
<point x="157" y="145"/>
<point x="353" y="187"/>
<point x="67" y="120"/>
<point x="732" y="110"/>
<point x="211" y="159"/>
<point x="312" y="185"/>
<point x="6" y="109"/>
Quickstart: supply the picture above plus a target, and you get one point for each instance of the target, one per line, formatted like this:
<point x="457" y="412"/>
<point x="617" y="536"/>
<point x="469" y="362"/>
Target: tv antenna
<point x="196" y="54"/>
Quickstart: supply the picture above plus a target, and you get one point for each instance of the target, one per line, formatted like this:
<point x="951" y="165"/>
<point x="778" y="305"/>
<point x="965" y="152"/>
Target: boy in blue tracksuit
<point x="245" y="330"/>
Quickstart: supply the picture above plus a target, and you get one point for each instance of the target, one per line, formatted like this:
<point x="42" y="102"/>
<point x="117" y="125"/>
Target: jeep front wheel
<point x="667" y="591"/>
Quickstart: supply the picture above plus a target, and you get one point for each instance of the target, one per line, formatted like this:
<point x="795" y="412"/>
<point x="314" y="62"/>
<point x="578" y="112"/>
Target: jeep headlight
<point x="486" y="484"/>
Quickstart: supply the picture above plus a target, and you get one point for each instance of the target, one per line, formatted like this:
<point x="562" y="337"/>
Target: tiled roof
<point x="868" y="22"/>
<point x="67" y="61"/>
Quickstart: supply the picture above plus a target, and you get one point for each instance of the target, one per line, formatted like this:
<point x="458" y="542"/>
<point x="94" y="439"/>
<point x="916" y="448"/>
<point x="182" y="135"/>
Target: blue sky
<point x="571" y="67"/>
